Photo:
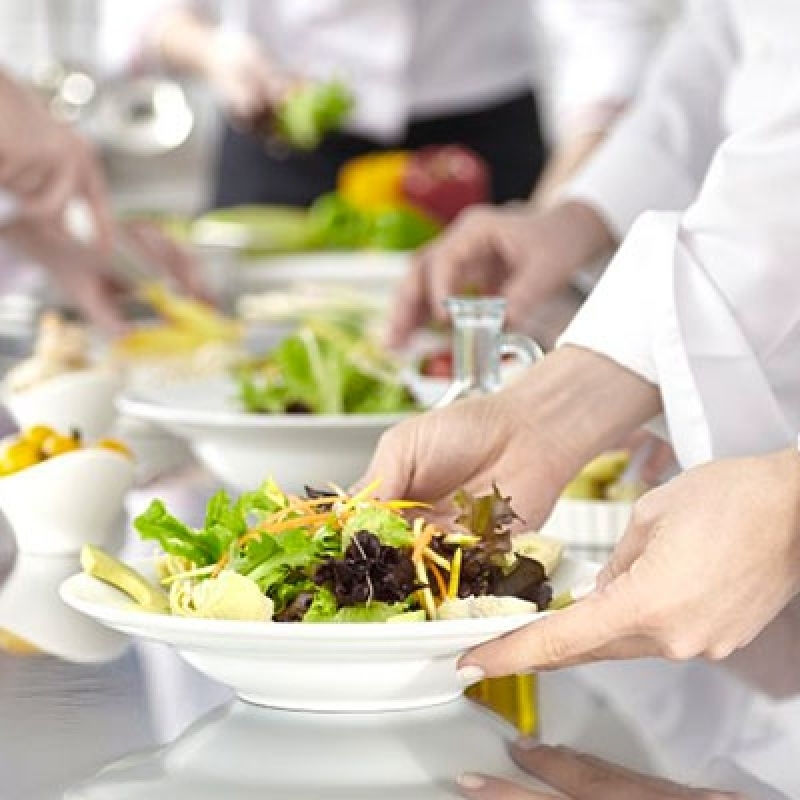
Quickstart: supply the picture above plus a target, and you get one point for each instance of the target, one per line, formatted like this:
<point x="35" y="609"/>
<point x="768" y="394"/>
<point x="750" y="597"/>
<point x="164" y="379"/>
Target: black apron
<point x="508" y="136"/>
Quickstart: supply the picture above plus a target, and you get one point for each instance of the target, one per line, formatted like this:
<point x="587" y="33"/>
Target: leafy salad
<point x="325" y="367"/>
<point x="331" y="557"/>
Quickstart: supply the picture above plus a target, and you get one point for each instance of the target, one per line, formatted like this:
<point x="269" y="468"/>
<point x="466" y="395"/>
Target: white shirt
<point x="710" y="291"/>
<point x="418" y="58"/>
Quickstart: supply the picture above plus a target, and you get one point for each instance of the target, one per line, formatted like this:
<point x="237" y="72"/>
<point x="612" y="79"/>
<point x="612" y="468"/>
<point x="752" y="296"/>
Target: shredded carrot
<point x="286" y="525"/>
<point x="434" y="557"/>
<point x="440" y="584"/>
<point x="422" y="541"/>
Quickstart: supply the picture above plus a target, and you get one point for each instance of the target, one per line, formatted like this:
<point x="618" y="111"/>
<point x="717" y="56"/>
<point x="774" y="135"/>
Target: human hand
<point x="524" y="255"/>
<point x="578" y="777"/>
<point x="242" y="76"/>
<point x="707" y="562"/>
<point x="45" y="165"/>
<point x="82" y="270"/>
<point x="529" y="439"/>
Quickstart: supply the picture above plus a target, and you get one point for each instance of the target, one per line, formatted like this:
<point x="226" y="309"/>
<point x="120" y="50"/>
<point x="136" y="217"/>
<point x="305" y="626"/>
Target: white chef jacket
<point x="418" y="58"/>
<point x="705" y="300"/>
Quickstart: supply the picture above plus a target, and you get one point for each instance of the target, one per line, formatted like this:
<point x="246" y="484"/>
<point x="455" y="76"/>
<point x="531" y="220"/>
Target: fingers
<point x="168" y="255"/>
<point x="582" y="777"/>
<point x="411" y="309"/>
<point x="483" y="787"/>
<point x="92" y="187"/>
<point x="584" y="632"/>
<point x="392" y="464"/>
<point x="634" y="542"/>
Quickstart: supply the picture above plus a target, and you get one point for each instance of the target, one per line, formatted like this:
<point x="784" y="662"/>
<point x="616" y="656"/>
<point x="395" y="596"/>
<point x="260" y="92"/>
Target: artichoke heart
<point x="228" y="596"/>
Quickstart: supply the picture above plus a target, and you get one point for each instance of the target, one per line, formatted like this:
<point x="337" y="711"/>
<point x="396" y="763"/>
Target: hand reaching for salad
<point x="578" y="777"/>
<point x="520" y="253"/>
<point x="707" y="562"/>
<point x="530" y="439"/>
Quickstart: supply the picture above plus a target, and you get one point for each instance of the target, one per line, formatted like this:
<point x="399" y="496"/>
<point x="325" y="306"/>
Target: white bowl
<point x="243" y="449"/>
<point x="31" y="608"/>
<point x="56" y="507"/>
<point x="156" y="453"/>
<point x="320" y="667"/>
<point x="375" y="272"/>
<point x="589" y="528"/>
<point x="244" y="752"/>
<point x="77" y="400"/>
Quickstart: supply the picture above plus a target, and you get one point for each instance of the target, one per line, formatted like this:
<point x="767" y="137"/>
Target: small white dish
<point x="322" y="667"/>
<point x="243" y="449"/>
<point x="589" y="528"/>
<point x="81" y="401"/>
<point x="31" y="609"/>
<point x="57" y="506"/>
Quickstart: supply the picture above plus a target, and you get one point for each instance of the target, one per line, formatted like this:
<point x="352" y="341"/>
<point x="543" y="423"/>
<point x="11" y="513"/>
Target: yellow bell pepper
<point x="374" y="182"/>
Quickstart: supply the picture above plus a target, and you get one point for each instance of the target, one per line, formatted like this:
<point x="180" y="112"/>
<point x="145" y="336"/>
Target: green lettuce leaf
<point x="388" y="526"/>
<point x="175" y="537"/>
<point x="324" y="609"/>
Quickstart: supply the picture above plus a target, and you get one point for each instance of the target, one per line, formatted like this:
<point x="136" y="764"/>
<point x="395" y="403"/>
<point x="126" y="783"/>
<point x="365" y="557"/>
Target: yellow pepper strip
<point x="455" y="574"/>
<point x="425" y="595"/>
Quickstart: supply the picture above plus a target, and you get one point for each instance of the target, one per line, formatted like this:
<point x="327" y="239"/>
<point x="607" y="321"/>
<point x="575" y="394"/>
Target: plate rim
<point x="127" y="616"/>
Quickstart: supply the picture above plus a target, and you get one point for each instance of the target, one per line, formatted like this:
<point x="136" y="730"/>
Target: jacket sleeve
<point x="706" y="303"/>
<point x="657" y="155"/>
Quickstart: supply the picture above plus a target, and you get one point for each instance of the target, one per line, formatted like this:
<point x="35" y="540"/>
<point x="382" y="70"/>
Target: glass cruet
<point x="479" y="345"/>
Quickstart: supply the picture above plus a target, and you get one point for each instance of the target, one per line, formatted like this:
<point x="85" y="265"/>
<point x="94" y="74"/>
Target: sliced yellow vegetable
<point x="103" y="566"/>
<point x="455" y="574"/>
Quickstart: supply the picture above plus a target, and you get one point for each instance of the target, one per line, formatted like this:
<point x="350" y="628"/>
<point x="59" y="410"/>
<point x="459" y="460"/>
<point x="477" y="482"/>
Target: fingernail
<point x="527" y="743"/>
<point x="470" y="675"/>
<point x="471" y="781"/>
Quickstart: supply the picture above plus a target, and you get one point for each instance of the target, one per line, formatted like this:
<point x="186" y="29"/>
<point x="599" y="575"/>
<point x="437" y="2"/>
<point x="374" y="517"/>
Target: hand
<point x="82" y="272"/>
<point x="578" y="777"/>
<point x="45" y="164"/>
<point x="707" y="562"/>
<point x="529" y="439"/>
<point x="242" y="76"/>
<point x="524" y="255"/>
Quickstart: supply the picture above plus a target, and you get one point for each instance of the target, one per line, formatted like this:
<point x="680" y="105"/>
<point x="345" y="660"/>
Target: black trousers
<point x="508" y="136"/>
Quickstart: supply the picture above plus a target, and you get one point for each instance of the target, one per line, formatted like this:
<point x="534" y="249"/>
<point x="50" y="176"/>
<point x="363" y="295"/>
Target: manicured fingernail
<point x="472" y="782"/>
<point x="527" y="743"/>
<point x="470" y="675"/>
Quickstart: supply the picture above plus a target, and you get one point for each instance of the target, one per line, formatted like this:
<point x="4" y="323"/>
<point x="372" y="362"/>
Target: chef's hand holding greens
<point x="331" y="557"/>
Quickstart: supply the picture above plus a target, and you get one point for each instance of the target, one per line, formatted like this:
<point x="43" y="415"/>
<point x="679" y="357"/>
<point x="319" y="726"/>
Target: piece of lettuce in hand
<point x="312" y="111"/>
<point x="390" y="528"/>
<point x="324" y="609"/>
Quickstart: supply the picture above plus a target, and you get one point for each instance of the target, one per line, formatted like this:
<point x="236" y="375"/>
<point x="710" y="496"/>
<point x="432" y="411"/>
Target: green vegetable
<point x="103" y="566"/>
<point x="324" y="609"/>
<point x="258" y="230"/>
<point x="312" y="111"/>
<point x="387" y="525"/>
<point x="228" y="596"/>
<point x="342" y="226"/>
<point x="401" y="229"/>
<point x="324" y="368"/>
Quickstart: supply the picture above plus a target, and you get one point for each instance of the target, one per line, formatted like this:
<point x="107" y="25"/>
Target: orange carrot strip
<point x="440" y="584"/>
<point x="422" y="542"/>
<point x="285" y="525"/>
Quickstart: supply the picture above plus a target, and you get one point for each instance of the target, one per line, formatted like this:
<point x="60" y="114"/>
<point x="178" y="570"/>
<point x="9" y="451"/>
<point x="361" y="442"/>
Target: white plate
<point x="243" y="449"/>
<point x="323" y="667"/>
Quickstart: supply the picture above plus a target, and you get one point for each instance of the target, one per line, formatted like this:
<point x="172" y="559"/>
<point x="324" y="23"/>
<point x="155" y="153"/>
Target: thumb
<point x="561" y="639"/>
<point x="391" y="467"/>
